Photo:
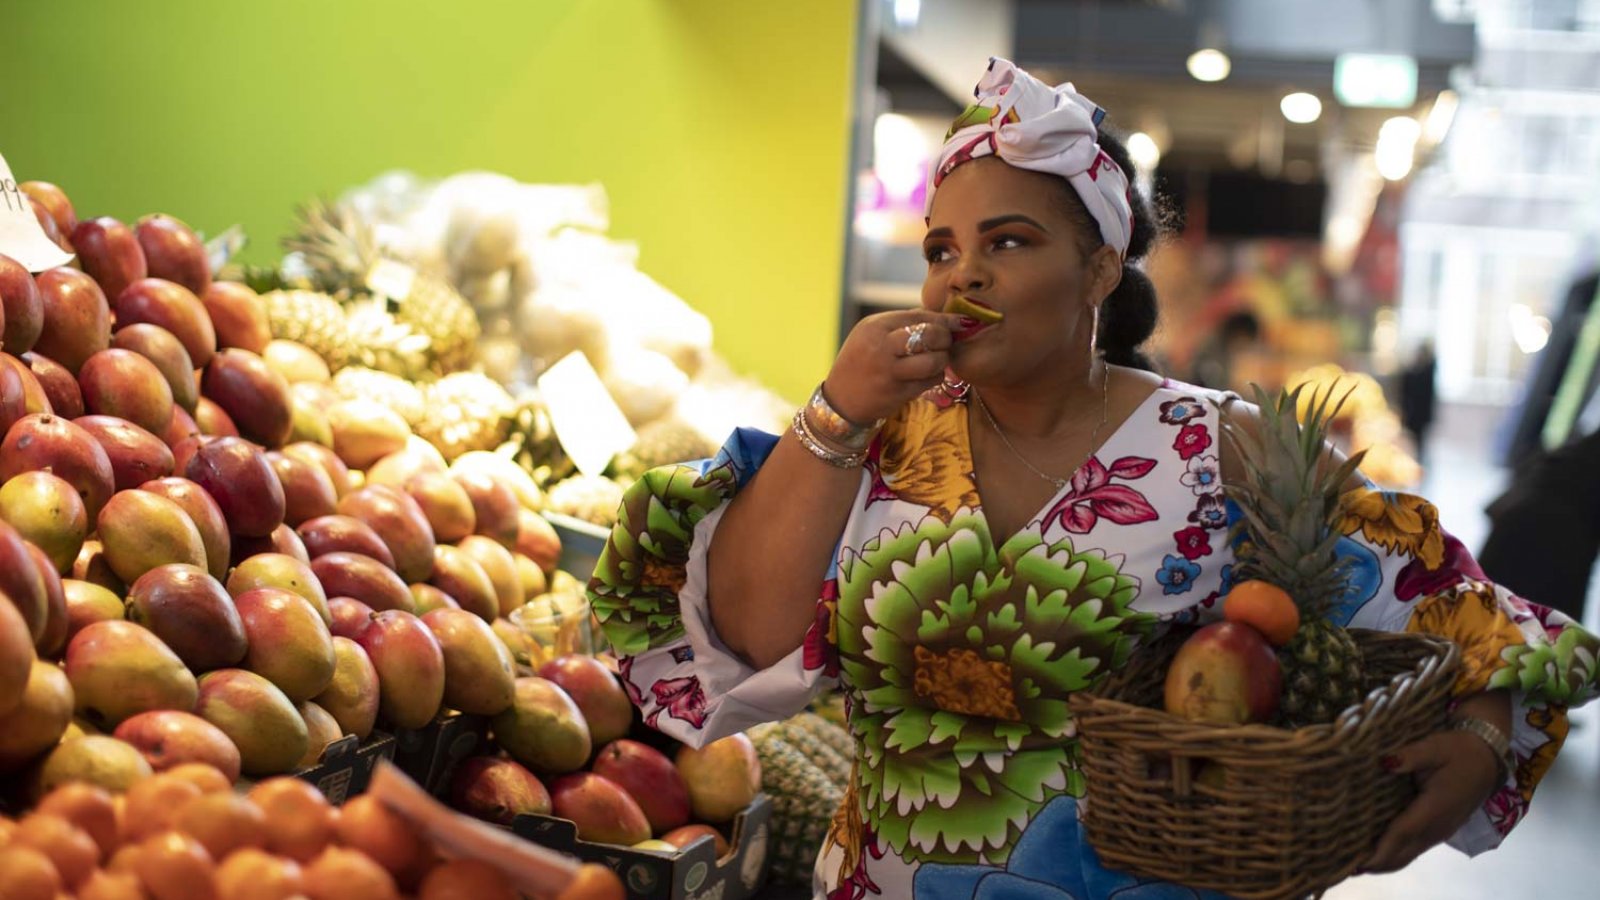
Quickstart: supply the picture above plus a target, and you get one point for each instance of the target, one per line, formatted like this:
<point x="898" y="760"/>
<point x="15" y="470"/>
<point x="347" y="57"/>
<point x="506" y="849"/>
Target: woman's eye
<point x="1008" y="242"/>
<point x="935" y="254"/>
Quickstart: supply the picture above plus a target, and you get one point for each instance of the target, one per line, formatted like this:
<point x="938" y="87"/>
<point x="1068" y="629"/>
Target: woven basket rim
<point x="1307" y="739"/>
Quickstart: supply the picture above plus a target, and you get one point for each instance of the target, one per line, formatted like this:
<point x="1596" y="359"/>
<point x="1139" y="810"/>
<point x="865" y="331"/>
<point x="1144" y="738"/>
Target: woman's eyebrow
<point x="997" y="221"/>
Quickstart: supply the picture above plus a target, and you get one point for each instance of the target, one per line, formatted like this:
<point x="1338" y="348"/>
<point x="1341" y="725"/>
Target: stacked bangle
<point x="826" y="423"/>
<point x="842" y="459"/>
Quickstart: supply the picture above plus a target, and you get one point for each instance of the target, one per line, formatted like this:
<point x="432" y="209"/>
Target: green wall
<point x="720" y="129"/>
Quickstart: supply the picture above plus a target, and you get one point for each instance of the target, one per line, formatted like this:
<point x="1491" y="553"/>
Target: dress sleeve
<point x="649" y="594"/>
<point x="1410" y="575"/>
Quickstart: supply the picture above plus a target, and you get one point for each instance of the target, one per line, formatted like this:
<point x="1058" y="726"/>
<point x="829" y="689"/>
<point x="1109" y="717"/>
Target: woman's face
<point x="1002" y="236"/>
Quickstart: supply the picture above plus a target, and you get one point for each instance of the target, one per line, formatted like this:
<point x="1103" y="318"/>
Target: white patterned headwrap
<point x="1033" y="126"/>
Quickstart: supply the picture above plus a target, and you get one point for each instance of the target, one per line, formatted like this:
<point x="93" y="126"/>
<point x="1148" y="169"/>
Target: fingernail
<point x="1390" y="763"/>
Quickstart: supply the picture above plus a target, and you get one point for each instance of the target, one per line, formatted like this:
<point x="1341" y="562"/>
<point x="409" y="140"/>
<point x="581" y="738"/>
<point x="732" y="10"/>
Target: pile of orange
<point x="184" y="834"/>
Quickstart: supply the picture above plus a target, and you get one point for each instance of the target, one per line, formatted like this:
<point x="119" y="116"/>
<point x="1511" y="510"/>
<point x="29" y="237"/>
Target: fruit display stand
<point x="347" y="765"/>
<point x="581" y="544"/>
<point x="695" y="871"/>
<point x="429" y="755"/>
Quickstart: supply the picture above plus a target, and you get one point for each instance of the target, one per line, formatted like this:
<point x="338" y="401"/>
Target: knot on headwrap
<point x="1033" y="126"/>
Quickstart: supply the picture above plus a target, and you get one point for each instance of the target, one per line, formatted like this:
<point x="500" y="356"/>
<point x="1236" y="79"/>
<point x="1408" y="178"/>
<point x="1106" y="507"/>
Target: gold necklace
<point x="1105" y="406"/>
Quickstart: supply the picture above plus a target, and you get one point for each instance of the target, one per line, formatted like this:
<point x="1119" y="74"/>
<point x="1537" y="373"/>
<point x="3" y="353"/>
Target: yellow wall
<point x="720" y="129"/>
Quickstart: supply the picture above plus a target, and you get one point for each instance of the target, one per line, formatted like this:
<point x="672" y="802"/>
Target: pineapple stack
<point x="429" y="332"/>
<point x="805" y="768"/>
<point x="1290" y="502"/>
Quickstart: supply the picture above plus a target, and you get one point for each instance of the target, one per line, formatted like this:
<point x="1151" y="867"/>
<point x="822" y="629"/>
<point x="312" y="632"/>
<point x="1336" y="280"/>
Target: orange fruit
<point x="594" y="882"/>
<point x="152" y="806"/>
<point x="255" y="874"/>
<point x="367" y="825"/>
<point x="73" y="853"/>
<point x="300" y="822"/>
<point x="88" y="807"/>
<point x="1265" y="607"/>
<point x="28" y="874"/>
<point x="466" y="879"/>
<point x="103" y="885"/>
<point x="340" y="873"/>
<point x="174" y="866"/>
<point x="123" y="860"/>
<point x="208" y="778"/>
<point x="223" y="823"/>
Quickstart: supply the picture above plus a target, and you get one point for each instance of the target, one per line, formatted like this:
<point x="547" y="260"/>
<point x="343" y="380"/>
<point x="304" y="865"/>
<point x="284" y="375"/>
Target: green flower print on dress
<point x="1560" y="671"/>
<point x="961" y="658"/>
<point x="636" y="581"/>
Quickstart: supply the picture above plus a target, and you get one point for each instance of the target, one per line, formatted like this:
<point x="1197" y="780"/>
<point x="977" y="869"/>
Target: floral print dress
<point x="957" y="648"/>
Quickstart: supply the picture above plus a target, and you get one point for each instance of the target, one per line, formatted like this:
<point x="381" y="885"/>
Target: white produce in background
<point x="545" y="281"/>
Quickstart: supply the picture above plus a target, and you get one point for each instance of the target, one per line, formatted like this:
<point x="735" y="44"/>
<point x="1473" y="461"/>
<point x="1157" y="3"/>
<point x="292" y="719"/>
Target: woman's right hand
<point x="874" y="375"/>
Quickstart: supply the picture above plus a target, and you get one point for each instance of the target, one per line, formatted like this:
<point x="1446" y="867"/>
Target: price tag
<point x="391" y="279"/>
<point x="21" y="238"/>
<point x="587" y="422"/>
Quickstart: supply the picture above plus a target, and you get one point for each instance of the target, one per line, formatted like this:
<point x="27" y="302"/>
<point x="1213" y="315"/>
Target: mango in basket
<point x="1225" y="674"/>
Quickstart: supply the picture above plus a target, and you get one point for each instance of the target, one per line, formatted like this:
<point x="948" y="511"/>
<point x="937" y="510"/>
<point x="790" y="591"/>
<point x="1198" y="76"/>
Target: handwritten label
<point x="391" y="279"/>
<point x="21" y="238"/>
<point x="586" y="420"/>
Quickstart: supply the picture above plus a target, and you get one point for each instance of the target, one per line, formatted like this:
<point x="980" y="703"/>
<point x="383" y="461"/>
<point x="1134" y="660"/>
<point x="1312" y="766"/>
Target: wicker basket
<point x="1254" y="811"/>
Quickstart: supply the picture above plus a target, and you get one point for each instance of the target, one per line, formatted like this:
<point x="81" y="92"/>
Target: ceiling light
<point x="1301" y="108"/>
<point x="899" y="155"/>
<point x="1209" y="64"/>
<point x="1145" y="153"/>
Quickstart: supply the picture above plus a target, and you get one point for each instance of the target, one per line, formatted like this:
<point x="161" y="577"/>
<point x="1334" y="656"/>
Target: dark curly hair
<point x="1129" y="315"/>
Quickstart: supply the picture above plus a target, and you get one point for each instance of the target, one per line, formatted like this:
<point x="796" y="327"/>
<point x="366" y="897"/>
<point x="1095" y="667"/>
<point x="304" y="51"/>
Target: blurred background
<point x="1404" y="194"/>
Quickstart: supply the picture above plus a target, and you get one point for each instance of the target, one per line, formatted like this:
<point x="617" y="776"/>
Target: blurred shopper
<point x="1544" y="532"/>
<point x="979" y="514"/>
<point x="1213" y="363"/>
<point x="1418" y="400"/>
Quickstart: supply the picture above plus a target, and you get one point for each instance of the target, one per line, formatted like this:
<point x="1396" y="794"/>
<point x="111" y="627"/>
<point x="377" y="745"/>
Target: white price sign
<point x="21" y="238"/>
<point x="587" y="422"/>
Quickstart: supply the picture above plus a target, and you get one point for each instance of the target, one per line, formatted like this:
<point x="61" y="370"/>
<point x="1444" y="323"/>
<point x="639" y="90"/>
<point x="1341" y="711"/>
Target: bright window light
<point x="1440" y="116"/>
<point x="1301" y="108"/>
<point x="1209" y="64"/>
<point x="1397" y="147"/>
<point x="907" y="13"/>
<point x="899" y="155"/>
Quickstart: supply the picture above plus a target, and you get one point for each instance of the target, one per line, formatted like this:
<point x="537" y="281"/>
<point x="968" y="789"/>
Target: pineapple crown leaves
<point x="336" y="243"/>
<point x="1289" y="497"/>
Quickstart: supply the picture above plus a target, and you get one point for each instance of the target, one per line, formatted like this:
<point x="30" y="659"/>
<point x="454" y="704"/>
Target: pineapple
<point x="339" y="249"/>
<point x="380" y="341"/>
<point x="803" y="802"/>
<point x="592" y="498"/>
<point x="311" y="318"/>
<point x="663" y="442"/>
<point x="534" y="444"/>
<point x="464" y="412"/>
<point x="400" y="395"/>
<point x="1290" y="500"/>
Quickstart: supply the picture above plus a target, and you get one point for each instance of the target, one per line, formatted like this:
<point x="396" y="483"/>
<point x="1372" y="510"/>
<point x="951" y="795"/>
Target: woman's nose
<point x="970" y="273"/>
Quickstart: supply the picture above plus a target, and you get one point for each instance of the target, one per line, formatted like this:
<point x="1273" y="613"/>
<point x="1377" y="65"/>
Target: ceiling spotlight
<point x="1209" y="64"/>
<point x="1301" y="108"/>
<point x="1145" y="153"/>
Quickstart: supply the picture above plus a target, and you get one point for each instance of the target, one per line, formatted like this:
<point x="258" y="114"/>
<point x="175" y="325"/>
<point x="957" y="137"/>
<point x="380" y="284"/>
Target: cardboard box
<point x="429" y="755"/>
<point x="693" y="873"/>
<point x="347" y="764"/>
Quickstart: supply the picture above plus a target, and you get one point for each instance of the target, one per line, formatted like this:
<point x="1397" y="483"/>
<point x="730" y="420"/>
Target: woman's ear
<point x="1105" y="273"/>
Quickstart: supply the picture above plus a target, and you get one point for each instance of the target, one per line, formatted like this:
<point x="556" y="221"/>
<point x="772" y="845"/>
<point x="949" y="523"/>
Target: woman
<point x="892" y="542"/>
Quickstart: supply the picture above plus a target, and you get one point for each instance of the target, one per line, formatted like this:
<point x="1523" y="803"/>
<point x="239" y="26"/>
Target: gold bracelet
<point x="810" y="441"/>
<point x="1495" y="739"/>
<point x="827" y="423"/>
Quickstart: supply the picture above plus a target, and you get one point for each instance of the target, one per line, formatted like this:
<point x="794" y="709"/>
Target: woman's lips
<point x="968" y="327"/>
